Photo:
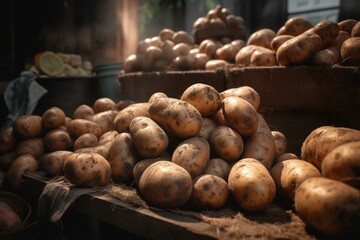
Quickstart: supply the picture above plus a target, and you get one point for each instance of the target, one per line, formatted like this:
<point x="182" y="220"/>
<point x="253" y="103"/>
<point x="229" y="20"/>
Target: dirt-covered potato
<point x="295" y="26"/>
<point x="176" y="117"/>
<point x="155" y="96"/>
<point x="28" y="126"/>
<point x="327" y="30"/>
<point x="324" y="139"/>
<point x="125" y="116"/>
<point x="289" y="174"/>
<point x="149" y="139"/>
<point x="53" y="117"/>
<point x="218" y="167"/>
<point x="285" y="156"/>
<point x="104" y="104"/>
<point x="57" y="139"/>
<point x="347" y="25"/>
<point x="141" y="165"/>
<point x="78" y="127"/>
<point x="22" y="164"/>
<point x="7" y="140"/>
<point x="122" y="158"/>
<point x="102" y="149"/>
<point x="246" y="92"/>
<point x="33" y="146"/>
<point x="262" y="37"/>
<point x="219" y="118"/>
<point x="280" y="142"/>
<point x="165" y="184"/>
<point x="263" y="57"/>
<point x="208" y="192"/>
<point x="350" y="51"/>
<point x="243" y="57"/>
<point x="251" y="185"/>
<point x="86" y="140"/>
<point x="208" y="125"/>
<point x="53" y="163"/>
<point x="240" y="115"/>
<point x="227" y="52"/>
<point x="205" y="98"/>
<point x="121" y="104"/>
<point x="226" y="143"/>
<point x="83" y="112"/>
<point x="343" y="162"/>
<point x="107" y="137"/>
<point x="214" y="64"/>
<point x="261" y="145"/>
<point x="327" y="57"/>
<point x="279" y="40"/>
<point x="340" y="39"/>
<point x="105" y="120"/>
<point x="355" y="31"/>
<point x="87" y="170"/>
<point x="329" y="206"/>
<point x="193" y="154"/>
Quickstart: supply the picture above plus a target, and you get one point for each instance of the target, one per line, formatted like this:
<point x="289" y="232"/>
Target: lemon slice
<point x="49" y="63"/>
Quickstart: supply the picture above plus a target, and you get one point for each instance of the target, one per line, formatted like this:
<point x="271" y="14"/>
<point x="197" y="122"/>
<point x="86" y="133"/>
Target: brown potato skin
<point x="350" y="50"/>
<point x="7" y="159"/>
<point x="342" y="163"/>
<point x="296" y="25"/>
<point x="22" y="164"/>
<point x="205" y="98"/>
<point x="33" y="146"/>
<point x="251" y="185"/>
<point x="53" y="117"/>
<point x="280" y="142"/>
<point x="122" y="158"/>
<point x="176" y="117"/>
<point x="240" y="115"/>
<point x="53" y="163"/>
<point x="104" y="104"/>
<point x="165" y="184"/>
<point x="347" y="25"/>
<point x="124" y="117"/>
<point x="208" y="125"/>
<point x="105" y="120"/>
<point x="28" y="126"/>
<point x="279" y="40"/>
<point x="141" y="165"/>
<point x="355" y="32"/>
<point x="83" y="112"/>
<point x="78" y="127"/>
<point x="285" y="156"/>
<point x="7" y="140"/>
<point x="218" y="167"/>
<point x="327" y="57"/>
<point x="87" y="170"/>
<point x="263" y="57"/>
<point x="262" y="37"/>
<point x="329" y="206"/>
<point x="9" y="220"/>
<point x="327" y="30"/>
<point x="86" y="140"/>
<point x="324" y="139"/>
<point x="57" y="139"/>
<point x="226" y="143"/>
<point x="289" y="174"/>
<point x="261" y="145"/>
<point x="149" y="139"/>
<point x="246" y="92"/>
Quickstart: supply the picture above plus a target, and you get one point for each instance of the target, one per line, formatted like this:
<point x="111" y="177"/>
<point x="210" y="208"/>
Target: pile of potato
<point x="194" y="152"/>
<point x="297" y="42"/>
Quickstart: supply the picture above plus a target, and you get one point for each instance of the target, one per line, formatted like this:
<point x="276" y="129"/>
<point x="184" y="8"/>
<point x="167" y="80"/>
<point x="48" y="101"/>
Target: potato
<point x="7" y="159"/>
<point x="53" y="117"/>
<point x="141" y="165"/>
<point x="227" y="52"/>
<point x="285" y="156"/>
<point x="205" y="98"/>
<point x="209" y="47"/>
<point x="166" y="34"/>
<point x="262" y="37"/>
<point x="350" y="51"/>
<point x="299" y="49"/>
<point x="53" y="163"/>
<point x="132" y="63"/>
<point x="279" y="40"/>
<point x="165" y="184"/>
<point x="327" y="30"/>
<point x="22" y="164"/>
<point x="28" y="126"/>
<point x="243" y="57"/>
<point x="289" y="174"/>
<point x="122" y="158"/>
<point x="86" y="140"/>
<point x="176" y="117"/>
<point x="78" y="127"/>
<point x="234" y="21"/>
<point x="87" y="170"/>
<point x="240" y="115"/>
<point x="83" y="112"/>
<point x="340" y="39"/>
<point x="327" y="57"/>
<point x="182" y="37"/>
<point x="200" y="61"/>
<point x="149" y="139"/>
<point x="214" y="64"/>
<point x="201" y="23"/>
<point x="102" y="149"/>
<point x="261" y="145"/>
<point x="219" y="118"/>
<point x="105" y="120"/>
<point x="324" y="139"/>
<point x="121" y="104"/>
<point x="7" y="140"/>
<point x="181" y="49"/>
<point x="124" y="117"/>
<point x="107" y="137"/>
<point x="295" y="26"/>
<point x="208" y="125"/>
<point x="280" y="142"/>
<point x="251" y="185"/>
<point x="57" y="139"/>
<point x="193" y="154"/>
<point x="343" y="162"/>
<point x="218" y="167"/>
<point x="355" y="32"/>
<point x="246" y="92"/>
<point x="263" y="57"/>
<point x="103" y="104"/>
<point x="208" y="192"/>
<point x="226" y="143"/>
<point x="33" y="146"/>
<point x="156" y="95"/>
<point x="9" y="220"/>
<point x="329" y="206"/>
<point x="347" y="25"/>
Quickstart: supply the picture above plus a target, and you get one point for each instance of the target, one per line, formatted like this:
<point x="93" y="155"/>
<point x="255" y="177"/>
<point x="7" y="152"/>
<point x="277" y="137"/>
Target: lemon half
<point x="49" y="63"/>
